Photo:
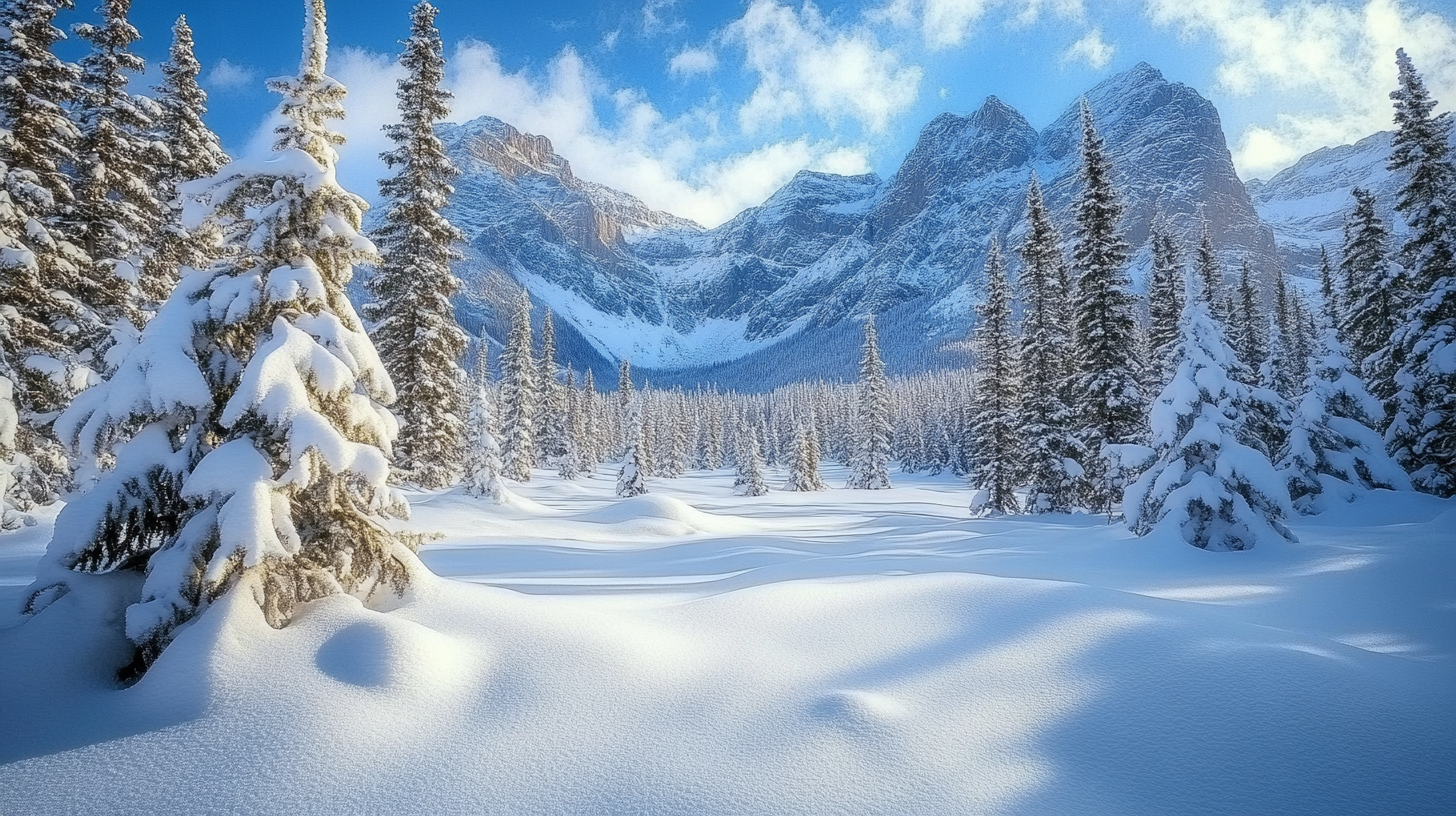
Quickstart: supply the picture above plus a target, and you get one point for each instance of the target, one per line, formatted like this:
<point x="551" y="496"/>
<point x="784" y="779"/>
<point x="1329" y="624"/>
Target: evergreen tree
<point x="1165" y="302"/>
<point x="1210" y="277"/>
<point x="630" y="481"/>
<point x="1248" y="323"/>
<point x="519" y="393"/>
<point x="804" y="470"/>
<point x="749" y="481"/>
<point x="552" y="414"/>
<point x="1422" y="433"/>
<point x="1107" y="381"/>
<point x="482" y="463"/>
<point x="592" y="449"/>
<point x="625" y="395"/>
<point x="870" y="468"/>
<point x="39" y="267"/>
<point x="248" y="427"/>
<point x="995" y="419"/>
<point x="1289" y="347"/>
<point x="1373" y="298"/>
<point x="117" y="212"/>
<point x="12" y="462"/>
<point x="1332" y="439"/>
<point x="414" y="320"/>
<point x="1208" y="486"/>
<point x="193" y="152"/>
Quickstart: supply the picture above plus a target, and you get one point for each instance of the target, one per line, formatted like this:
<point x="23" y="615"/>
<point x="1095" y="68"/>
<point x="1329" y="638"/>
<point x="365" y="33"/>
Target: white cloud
<point x="1092" y="49"/>
<point x="229" y="76"/>
<point x="806" y="64"/>
<point x="1329" y="66"/>
<point x="950" y="23"/>
<point x="609" y="39"/>
<point x="693" y="61"/>
<point x="660" y="17"/>
<point x="680" y="165"/>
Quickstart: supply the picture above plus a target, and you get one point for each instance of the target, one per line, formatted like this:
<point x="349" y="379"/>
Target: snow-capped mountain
<point x="1306" y="203"/>
<point x="799" y="270"/>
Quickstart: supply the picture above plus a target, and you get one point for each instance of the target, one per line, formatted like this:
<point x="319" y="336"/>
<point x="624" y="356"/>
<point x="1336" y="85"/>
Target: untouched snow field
<point x="847" y="652"/>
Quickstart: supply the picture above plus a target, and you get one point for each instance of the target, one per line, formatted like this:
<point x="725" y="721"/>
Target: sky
<point x="705" y="108"/>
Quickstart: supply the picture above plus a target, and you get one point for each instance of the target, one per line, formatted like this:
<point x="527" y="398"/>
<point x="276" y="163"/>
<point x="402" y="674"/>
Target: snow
<point x="693" y="652"/>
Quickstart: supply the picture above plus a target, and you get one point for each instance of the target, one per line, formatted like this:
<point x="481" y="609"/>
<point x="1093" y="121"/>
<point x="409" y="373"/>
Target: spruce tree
<point x="804" y="469"/>
<point x="482" y="463"/>
<point x="1207" y="485"/>
<point x="1210" y="276"/>
<point x="1109" y="373"/>
<point x="552" y="442"/>
<point x="1333" y="308"/>
<point x="749" y="481"/>
<point x="39" y="267"/>
<point x="593" y="448"/>
<point x="248" y="427"/>
<point x="117" y="211"/>
<point x="193" y="152"/>
<point x="870" y="468"/>
<point x="1247" y="323"/>
<point x="630" y="478"/>
<point x="1422" y="433"/>
<point x="1332" y="439"/>
<point x="1165" y="303"/>
<point x="519" y="393"/>
<point x="995" y="419"/>
<point x="413" y="318"/>
<point x="1374" y="298"/>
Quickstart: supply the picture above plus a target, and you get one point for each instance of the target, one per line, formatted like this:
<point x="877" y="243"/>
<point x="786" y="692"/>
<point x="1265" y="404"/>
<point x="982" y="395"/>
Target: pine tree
<point x="519" y="394"/>
<point x="193" y="152"/>
<point x="1210" y="276"/>
<point x="1165" y="303"/>
<point x="1107" y="381"/>
<point x="1332" y="437"/>
<point x="551" y="413"/>
<point x="804" y="470"/>
<point x="625" y="395"/>
<point x="870" y="468"/>
<point x="39" y="267"/>
<point x="413" y="319"/>
<point x="1374" y="295"/>
<point x="12" y="462"/>
<point x="1248" y="323"/>
<point x="592" y="449"/>
<point x="258" y="463"/>
<point x="482" y="464"/>
<point x="117" y="212"/>
<point x="1207" y="485"/>
<point x="1289" y="348"/>
<point x="749" y="481"/>
<point x="630" y="478"/>
<point x="1422" y="433"/>
<point x="995" y="418"/>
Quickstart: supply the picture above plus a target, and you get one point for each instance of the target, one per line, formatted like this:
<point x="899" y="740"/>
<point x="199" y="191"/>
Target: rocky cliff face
<point x="628" y="281"/>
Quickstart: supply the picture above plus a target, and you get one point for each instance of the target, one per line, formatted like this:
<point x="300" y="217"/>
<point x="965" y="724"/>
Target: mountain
<point x="777" y="292"/>
<point x="1305" y="204"/>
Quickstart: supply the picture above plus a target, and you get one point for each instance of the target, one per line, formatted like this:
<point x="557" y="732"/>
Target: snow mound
<point x="654" y="513"/>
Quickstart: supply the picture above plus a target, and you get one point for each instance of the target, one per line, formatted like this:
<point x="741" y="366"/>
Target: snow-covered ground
<point x="691" y="652"/>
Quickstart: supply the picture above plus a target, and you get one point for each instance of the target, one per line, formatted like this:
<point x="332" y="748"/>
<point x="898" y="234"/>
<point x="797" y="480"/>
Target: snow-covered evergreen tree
<point x="248" y="427"/>
<point x="870" y="469"/>
<point x="1110" y="402"/>
<point x="1210" y="276"/>
<point x="117" y="211"/>
<point x="1247" y="324"/>
<point x="1207" y="484"/>
<point x="995" y="410"/>
<point x="12" y="462"/>
<point x="804" y="469"/>
<point x="1374" y="297"/>
<point x="630" y="478"/>
<point x="593" y="448"/>
<point x="482" y="464"/>
<point x="413" y="318"/>
<point x="519" y="393"/>
<point x="1332" y="439"/>
<point x="1044" y="434"/>
<point x="1165" y="303"/>
<point x="1422" y="433"/>
<point x="749" y="481"/>
<point x="1333" y="308"/>
<point x="193" y="152"/>
<point x="552" y="415"/>
<point x="39" y="267"/>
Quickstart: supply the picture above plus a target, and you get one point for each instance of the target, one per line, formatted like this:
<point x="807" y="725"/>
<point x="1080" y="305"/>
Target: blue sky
<point x="703" y="108"/>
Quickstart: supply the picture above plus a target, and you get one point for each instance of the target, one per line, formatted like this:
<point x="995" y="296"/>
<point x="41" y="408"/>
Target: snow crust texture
<point x="800" y="653"/>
